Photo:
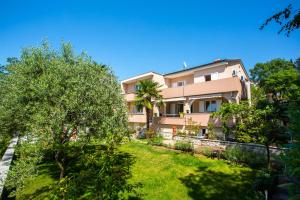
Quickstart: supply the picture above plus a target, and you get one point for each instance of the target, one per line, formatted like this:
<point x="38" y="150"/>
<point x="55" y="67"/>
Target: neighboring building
<point x="196" y="92"/>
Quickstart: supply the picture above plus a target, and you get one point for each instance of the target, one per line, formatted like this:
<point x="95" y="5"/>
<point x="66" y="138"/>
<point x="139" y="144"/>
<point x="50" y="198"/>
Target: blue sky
<point x="140" y="36"/>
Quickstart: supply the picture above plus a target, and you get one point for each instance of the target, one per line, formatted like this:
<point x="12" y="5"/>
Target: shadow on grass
<point x="211" y="185"/>
<point x="92" y="172"/>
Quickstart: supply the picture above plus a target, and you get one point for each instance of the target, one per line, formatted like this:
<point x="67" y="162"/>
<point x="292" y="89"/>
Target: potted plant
<point x="181" y="114"/>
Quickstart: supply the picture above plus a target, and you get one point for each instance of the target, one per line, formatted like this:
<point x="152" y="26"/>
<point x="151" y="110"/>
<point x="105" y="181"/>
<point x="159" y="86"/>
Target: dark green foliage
<point x="288" y="19"/>
<point x="148" y="91"/>
<point x="242" y="156"/>
<point x="98" y="173"/>
<point x="186" y="146"/>
<point x="28" y="155"/>
<point x="66" y="102"/>
<point x="265" y="181"/>
<point x="4" y="142"/>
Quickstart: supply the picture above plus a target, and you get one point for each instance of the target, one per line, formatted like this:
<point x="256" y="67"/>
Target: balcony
<point x="129" y="97"/>
<point x="172" y="92"/>
<point x="200" y="118"/>
<point x="210" y="87"/>
<point x="137" y="117"/>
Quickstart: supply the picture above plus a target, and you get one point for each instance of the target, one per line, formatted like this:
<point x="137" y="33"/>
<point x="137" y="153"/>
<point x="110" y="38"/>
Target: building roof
<point x="199" y="66"/>
<point x="196" y="67"/>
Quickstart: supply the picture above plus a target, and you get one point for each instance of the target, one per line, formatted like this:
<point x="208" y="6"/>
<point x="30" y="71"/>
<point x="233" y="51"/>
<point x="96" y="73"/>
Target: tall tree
<point x="252" y="124"/>
<point x="147" y="94"/>
<point x="288" y="19"/>
<point x="58" y="96"/>
<point x="278" y="79"/>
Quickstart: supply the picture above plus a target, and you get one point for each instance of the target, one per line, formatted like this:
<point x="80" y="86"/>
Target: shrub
<point x="28" y="155"/>
<point x="211" y="134"/>
<point x="4" y="142"/>
<point x="265" y="181"/>
<point x="150" y="133"/>
<point x="211" y="152"/>
<point x="181" y="133"/>
<point x="157" y="140"/>
<point x="184" y="146"/>
<point x="239" y="155"/>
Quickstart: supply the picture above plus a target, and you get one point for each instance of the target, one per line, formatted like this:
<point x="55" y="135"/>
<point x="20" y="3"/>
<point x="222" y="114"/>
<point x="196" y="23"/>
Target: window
<point x="210" y="106"/>
<point x="234" y="73"/>
<point x="208" y="77"/>
<point x="137" y="87"/>
<point x="138" y="109"/>
<point x="242" y="78"/>
<point x="179" y="108"/>
<point x="203" y="132"/>
<point x="180" y="83"/>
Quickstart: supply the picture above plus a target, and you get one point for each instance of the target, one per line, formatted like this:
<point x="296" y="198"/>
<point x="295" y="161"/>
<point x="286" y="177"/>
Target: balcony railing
<point x="209" y="87"/>
<point x="138" y="118"/>
<point x="129" y="97"/>
<point x="169" y="115"/>
<point x="200" y="118"/>
<point x="135" y="113"/>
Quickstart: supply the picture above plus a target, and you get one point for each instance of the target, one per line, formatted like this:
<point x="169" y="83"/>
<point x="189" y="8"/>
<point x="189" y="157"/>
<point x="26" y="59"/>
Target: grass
<point x="4" y="142"/>
<point x="166" y="174"/>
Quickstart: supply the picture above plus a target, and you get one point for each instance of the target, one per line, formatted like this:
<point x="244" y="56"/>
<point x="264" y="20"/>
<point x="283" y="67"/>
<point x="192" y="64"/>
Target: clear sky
<point x="140" y="36"/>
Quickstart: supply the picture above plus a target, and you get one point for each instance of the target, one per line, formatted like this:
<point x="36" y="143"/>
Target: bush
<point x="239" y="155"/>
<point x="150" y="134"/>
<point x="157" y="140"/>
<point x="181" y="133"/>
<point x="184" y="146"/>
<point x="265" y="181"/>
<point x="211" y="152"/>
<point x="24" y="167"/>
<point x="211" y="134"/>
<point x="4" y="142"/>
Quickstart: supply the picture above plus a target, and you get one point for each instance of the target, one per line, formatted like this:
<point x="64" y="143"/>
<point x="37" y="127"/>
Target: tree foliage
<point x="288" y="19"/>
<point x="266" y="120"/>
<point x="148" y="92"/>
<point x="60" y="97"/>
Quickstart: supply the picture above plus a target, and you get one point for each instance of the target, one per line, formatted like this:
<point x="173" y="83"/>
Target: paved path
<point x="6" y="161"/>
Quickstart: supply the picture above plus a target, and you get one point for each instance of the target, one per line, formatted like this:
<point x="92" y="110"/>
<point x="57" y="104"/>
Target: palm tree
<point x="147" y="93"/>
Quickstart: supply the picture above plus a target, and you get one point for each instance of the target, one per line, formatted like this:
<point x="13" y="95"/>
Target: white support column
<point x="155" y="110"/>
<point x="186" y="107"/>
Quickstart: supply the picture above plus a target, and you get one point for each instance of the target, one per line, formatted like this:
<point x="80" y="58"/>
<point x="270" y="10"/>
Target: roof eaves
<point x="199" y="66"/>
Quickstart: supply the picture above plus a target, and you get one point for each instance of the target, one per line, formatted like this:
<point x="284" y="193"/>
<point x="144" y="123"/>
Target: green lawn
<point x="166" y="174"/>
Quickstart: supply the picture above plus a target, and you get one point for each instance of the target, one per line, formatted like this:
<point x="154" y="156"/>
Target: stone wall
<point x="258" y="148"/>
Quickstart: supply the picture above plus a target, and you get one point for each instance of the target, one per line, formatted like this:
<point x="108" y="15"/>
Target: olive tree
<point x="62" y="98"/>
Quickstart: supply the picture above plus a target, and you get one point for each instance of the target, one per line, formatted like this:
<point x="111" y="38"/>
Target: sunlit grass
<point x="167" y="174"/>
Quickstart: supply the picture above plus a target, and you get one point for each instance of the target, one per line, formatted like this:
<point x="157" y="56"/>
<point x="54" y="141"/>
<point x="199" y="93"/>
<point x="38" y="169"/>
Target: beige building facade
<point x="191" y="94"/>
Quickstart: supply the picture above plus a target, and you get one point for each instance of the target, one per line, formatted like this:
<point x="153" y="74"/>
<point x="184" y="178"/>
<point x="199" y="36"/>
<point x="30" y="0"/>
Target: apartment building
<point x="190" y="94"/>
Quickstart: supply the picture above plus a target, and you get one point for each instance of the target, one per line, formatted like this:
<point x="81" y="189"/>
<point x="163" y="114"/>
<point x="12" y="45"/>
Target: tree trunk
<point x="268" y="157"/>
<point x="62" y="173"/>
<point x="147" y="118"/>
<point x="60" y="161"/>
